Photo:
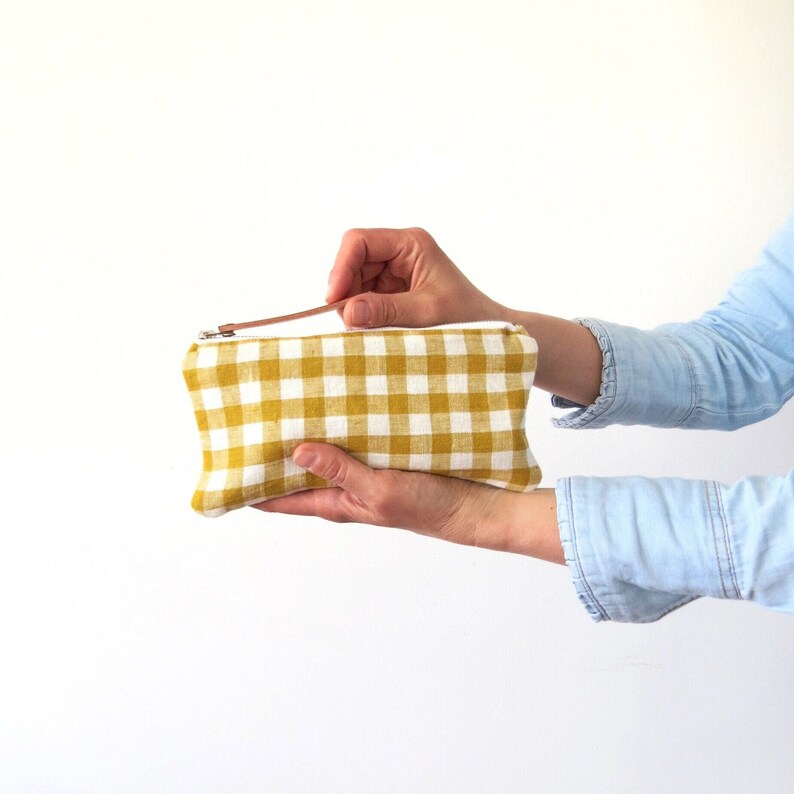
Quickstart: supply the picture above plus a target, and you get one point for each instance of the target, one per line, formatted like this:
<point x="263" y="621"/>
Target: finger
<point x="359" y="247"/>
<point x="321" y="502"/>
<point x="402" y="309"/>
<point x="393" y="276"/>
<point x="338" y="468"/>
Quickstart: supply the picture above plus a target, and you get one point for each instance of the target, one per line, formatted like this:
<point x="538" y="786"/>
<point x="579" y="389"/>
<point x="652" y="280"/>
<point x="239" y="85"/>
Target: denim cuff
<point x="628" y="571"/>
<point x="638" y="548"/>
<point x="586" y="416"/>
<point x="646" y="378"/>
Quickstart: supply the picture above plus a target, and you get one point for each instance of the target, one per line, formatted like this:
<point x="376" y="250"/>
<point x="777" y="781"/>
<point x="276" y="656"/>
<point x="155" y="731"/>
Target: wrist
<point x="529" y="525"/>
<point x="533" y="528"/>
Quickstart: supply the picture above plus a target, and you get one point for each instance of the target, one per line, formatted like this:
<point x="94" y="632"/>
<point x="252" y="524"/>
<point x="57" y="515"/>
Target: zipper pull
<point x="215" y="334"/>
<point x="230" y="328"/>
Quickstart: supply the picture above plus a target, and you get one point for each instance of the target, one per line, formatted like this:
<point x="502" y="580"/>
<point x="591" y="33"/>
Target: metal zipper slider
<point x="230" y="328"/>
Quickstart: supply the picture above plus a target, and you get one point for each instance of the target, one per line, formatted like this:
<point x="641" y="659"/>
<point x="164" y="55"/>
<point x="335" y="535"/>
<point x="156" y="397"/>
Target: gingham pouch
<point x="449" y="400"/>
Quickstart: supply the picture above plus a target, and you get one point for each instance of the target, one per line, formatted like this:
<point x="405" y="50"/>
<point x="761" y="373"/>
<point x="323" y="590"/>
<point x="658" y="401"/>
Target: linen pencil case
<point x="450" y="400"/>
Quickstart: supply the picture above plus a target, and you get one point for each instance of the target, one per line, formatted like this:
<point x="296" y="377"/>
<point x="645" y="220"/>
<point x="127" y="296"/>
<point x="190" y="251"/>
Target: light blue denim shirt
<point x="639" y="548"/>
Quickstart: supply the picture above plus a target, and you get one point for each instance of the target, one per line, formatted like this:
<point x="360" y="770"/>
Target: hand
<point x="444" y="507"/>
<point x="407" y="280"/>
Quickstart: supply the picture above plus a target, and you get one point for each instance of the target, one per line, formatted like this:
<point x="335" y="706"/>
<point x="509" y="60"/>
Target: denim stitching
<point x="728" y="547"/>
<point x="602" y="612"/>
<point x="714" y="537"/>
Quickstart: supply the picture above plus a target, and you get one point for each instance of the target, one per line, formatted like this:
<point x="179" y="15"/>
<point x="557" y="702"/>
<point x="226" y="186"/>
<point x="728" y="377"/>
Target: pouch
<point x="450" y="400"/>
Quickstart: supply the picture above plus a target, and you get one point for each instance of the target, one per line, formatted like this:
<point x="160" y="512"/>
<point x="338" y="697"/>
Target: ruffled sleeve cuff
<point x="588" y="416"/>
<point x="646" y="378"/>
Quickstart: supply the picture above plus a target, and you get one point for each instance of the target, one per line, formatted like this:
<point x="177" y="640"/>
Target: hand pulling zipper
<point x="228" y="331"/>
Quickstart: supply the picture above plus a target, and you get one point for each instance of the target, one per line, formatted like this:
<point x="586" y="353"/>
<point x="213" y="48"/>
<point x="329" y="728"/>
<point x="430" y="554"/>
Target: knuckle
<point x="420" y="241"/>
<point x="334" y="470"/>
<point x="339" y="515"/>
<point x="388" y="311"/>
<point x="423" y="240"/>
<point x="420" y="234"/>
<point x="352" y="238"/>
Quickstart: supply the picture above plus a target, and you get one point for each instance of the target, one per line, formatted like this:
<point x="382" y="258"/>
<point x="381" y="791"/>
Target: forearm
<point x="569" y="357"/>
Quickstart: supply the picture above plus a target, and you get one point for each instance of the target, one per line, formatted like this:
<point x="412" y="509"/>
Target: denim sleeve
<point x="639" y="548"/>
<point x="731" y="367"/>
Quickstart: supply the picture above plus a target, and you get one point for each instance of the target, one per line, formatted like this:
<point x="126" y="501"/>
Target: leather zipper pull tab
<point x="230" y="328"/>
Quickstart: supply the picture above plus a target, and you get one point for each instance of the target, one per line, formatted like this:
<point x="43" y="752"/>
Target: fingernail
<point x="360" y="313"/>
<point x="305" y="459"/>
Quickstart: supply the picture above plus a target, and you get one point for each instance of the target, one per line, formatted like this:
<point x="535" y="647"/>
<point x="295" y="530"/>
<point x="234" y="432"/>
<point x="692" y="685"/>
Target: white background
<point x="165" y="167"/>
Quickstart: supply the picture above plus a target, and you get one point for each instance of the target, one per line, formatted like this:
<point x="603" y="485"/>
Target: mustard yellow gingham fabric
<point x="447" y="400"/>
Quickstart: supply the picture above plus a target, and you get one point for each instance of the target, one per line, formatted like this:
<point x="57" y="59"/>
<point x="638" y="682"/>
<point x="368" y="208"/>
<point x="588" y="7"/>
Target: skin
<point x="405" y="279"/>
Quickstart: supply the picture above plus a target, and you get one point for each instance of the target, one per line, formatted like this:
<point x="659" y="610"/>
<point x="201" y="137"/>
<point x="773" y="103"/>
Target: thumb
<point x="337" y="467"/>
<point x="375" y="310"/>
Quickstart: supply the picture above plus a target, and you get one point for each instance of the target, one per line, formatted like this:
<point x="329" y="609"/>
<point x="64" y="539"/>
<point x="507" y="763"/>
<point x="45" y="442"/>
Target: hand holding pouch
<point x="449" y="400"/>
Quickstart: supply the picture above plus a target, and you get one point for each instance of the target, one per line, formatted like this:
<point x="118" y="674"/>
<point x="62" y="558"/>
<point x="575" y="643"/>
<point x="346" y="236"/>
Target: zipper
<point x="229" y="331"/>
<point x="231" y="336"/>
